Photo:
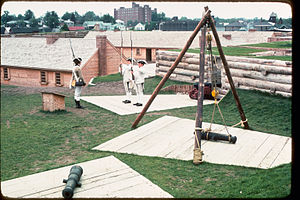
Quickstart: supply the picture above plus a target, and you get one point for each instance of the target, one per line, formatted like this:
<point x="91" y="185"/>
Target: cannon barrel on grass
<point x="72" y="182"/>
<point x="217" y="136"/>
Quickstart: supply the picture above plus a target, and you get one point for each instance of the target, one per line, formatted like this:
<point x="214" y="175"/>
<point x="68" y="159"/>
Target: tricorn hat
<point x="77" y="60"/>
<point x="142" y="62"/>
<point x="129" y="59"/>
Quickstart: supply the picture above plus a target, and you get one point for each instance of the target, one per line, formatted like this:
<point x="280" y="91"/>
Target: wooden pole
<point x="172" y="68"/>
<point x="225" y="64"/>
<point x="199" y="114"/>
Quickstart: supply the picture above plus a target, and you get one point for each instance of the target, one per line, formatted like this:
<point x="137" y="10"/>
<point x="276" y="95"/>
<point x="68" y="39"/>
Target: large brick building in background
<point x="136" y="13"/>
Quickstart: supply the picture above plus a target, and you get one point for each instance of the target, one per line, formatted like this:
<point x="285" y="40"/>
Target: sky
<point x="190" y="10"/>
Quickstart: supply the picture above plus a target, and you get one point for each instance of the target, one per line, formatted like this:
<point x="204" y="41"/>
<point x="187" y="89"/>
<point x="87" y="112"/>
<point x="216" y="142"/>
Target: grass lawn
<point x="243" y="51"/>
<point x="34" y="141"/>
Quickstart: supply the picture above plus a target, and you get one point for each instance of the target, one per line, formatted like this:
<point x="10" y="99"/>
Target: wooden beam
<point x="199" y="114"/>
<point x="225" y="64"/>
<point x="172" y="68"/>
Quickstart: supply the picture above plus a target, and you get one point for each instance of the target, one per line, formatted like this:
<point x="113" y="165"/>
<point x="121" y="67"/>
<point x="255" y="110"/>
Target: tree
<point x="20" y="17"/>
<point x="28" y="15"/>
<point x="66" y="16"/>
<point x="108" y="19"/>
<point x="6" y="17"/>
<point x="89" y="16"/>
<point x="33" y="22"/>
<point x="73" y="18"/>
<point x="51" y="19"/>
<point x="64" y="28"/>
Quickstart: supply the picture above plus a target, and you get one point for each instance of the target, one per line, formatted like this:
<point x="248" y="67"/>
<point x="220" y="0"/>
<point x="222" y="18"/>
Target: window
<point x="58" y="80"/>
<point x="138" y="51"/>
<point x="44" y="80"/>
<point x="6" y="73"/>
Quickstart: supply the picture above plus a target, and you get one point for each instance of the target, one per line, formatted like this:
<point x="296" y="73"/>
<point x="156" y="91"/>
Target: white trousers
<point x="77" y="93"/>
<point x="128" y="90"/>
<point x="139" y="92"/>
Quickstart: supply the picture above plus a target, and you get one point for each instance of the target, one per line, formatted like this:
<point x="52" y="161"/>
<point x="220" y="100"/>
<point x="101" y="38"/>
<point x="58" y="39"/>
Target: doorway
<point x="148" y="55"/>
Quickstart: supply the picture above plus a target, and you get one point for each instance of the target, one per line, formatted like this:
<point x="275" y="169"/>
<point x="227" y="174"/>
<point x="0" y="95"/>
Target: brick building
<point x="136" y="13"/>
<point x="47" y="62"/>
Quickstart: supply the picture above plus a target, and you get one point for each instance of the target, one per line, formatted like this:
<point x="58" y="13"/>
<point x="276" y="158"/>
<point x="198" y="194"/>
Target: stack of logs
<point x="187" y="69"/>
<point x="272" y="76"/>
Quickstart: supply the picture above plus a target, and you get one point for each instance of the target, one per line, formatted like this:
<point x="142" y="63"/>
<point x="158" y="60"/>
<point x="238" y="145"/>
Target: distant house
<point x="139" y="27"/>
<point x="98" y="25"/>
<point x="120" y="25"/>
<point x="235" y="26"/>
<point x="89" y="25"/>
<point x="263" y="26"/>
<point x="69" y="22"/>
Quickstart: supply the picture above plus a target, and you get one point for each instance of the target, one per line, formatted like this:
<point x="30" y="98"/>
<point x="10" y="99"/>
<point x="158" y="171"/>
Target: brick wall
<point x="50" y="39"/>
<point x="32" y="77"/>
<point x="109" y="56"/>
<point x="91" y="68"/>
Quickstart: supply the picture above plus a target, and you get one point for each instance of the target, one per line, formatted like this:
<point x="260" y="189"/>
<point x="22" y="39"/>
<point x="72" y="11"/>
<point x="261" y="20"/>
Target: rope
<point x="241" y="122"/>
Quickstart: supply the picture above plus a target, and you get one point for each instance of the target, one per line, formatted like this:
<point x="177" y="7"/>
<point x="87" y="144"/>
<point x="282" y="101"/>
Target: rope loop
<point x="241" y="123"/>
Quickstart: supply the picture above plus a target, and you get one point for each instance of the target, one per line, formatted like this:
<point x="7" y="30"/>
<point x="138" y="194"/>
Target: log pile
<point x="187" y="70"/>
<point x="272" y="76"/>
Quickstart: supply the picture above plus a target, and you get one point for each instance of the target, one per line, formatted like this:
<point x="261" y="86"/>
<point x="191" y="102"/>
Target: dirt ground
<point x="103" y="88"/>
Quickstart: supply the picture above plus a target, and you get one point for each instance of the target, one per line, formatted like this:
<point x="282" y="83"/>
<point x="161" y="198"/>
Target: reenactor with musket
<point x="139" y="79"/>
<point x="127" y="79"/>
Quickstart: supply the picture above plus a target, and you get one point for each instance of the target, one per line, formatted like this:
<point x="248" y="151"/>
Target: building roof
<point x="36" y="54"/>
<point x="176" y="39"/>
<point x="260" y="23"/>
<point x="235" y="24"/>
<point x="148" y="39"/>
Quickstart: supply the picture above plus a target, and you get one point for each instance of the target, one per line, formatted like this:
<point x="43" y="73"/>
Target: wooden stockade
<point x="272" y="76"/>
<point x="188" y="68"/>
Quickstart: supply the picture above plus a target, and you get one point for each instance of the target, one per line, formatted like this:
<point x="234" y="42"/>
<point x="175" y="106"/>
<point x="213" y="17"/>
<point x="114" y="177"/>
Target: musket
<point x="71" y="48"/>
<point x="131" y="55"/>
<point x="121" y="54"/>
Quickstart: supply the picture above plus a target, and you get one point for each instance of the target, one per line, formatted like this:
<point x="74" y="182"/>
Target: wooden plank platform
<point x="102" y="178"/>
<point x="172" y="137"/>
<point x="161" y="102"/>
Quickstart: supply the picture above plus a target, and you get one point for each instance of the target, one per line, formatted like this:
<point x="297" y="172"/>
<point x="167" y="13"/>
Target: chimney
<point x="50" y="39"/>
<point x="101" y="45"/>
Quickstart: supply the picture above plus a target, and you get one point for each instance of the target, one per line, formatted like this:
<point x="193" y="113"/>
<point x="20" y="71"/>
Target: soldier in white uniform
<point x="77" y="76"/>
<point x="139" y="79"/>
<point x="127" y="79"/>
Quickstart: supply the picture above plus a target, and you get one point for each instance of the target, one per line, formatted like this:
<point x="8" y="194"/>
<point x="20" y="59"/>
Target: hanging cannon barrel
<point x="72" y="182"/>
<point x="217" y="136"/>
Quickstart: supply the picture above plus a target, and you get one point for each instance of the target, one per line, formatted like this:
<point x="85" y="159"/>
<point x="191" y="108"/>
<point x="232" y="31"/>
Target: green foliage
<point x="108" y="78"/>
<point x="243" y="51"/>
<point x="277" y="44"/>
<point x="51" y="19"/>
<point x="64" y="28"/>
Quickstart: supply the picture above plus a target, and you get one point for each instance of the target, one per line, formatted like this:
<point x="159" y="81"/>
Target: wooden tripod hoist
<point x="206" y="20"/>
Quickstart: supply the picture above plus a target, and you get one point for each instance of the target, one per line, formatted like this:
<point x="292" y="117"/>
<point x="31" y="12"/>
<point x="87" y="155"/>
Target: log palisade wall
<point x="272" y="76"/>
<point x="188" y="68"/>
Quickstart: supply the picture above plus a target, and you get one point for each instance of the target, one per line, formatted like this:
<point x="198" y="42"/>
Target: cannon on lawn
<point x="72" y="182"/>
